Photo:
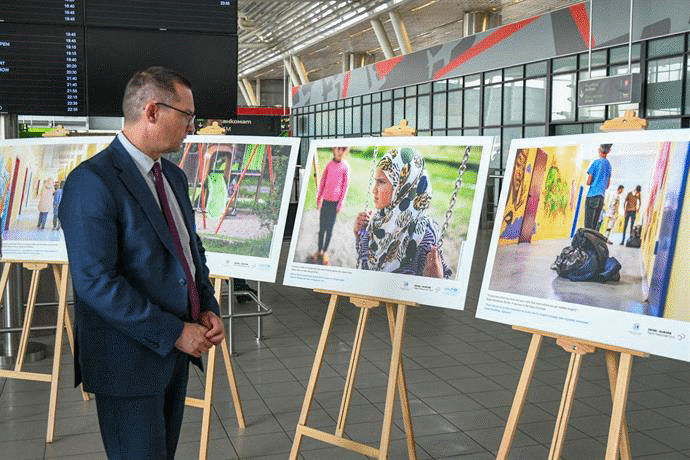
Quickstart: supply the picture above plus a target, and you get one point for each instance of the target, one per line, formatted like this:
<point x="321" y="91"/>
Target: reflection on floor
<point x="461" y="375"/>
<point x="25" y="228"/>
<point x="526" y="269"/>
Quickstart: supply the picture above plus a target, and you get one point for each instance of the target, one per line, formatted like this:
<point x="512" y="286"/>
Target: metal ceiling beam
<point x="382" y="38"/>
<point x="400" y="32"/>
<point x="294" y="79"/>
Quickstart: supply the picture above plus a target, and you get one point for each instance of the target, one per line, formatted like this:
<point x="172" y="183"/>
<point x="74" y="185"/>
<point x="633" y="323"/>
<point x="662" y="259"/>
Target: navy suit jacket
<point x="130" y="289"/>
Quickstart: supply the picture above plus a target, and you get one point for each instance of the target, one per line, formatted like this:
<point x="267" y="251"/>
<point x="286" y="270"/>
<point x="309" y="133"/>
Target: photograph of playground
<point x="239" y="187"/>
<point x="545" y="204"/>
<point x="354" y="196"/>
<point x="32" y="172"/>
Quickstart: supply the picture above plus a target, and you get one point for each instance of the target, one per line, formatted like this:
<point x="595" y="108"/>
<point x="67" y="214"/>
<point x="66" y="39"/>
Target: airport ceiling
<point x="320" y="33"/>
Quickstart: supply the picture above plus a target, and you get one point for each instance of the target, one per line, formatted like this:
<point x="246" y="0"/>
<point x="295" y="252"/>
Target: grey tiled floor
<point x="461" y="374"/>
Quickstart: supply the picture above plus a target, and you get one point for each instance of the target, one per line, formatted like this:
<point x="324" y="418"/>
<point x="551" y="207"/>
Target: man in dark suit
<point x="144" y="305"/>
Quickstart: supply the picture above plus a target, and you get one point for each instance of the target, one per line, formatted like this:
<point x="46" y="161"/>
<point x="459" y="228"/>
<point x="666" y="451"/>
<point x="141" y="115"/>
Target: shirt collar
<point x="143" y="161"/>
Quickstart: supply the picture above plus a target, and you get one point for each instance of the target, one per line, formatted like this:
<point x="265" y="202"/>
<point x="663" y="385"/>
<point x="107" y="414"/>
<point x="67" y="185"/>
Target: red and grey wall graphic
<point x="559" y="33"/>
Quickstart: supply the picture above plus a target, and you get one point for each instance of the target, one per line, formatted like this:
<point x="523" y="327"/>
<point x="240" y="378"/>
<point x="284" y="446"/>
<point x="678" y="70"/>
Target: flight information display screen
<point x="42" y="70"/>
<point x="216" y="16"/>
<point x="66" y="12"/>
<point x="208" y="61"/>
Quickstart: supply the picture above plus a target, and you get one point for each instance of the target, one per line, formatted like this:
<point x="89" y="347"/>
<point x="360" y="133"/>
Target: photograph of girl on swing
<point x="400" y="237"/>
<point x="407" y="225"/>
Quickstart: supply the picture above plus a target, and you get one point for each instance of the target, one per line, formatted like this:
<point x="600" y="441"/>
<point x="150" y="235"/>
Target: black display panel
<point x="208" y="61"/>
<point x="41" y="70"/>
<point x="216" y="16"/>
<point x="66" y="12"/>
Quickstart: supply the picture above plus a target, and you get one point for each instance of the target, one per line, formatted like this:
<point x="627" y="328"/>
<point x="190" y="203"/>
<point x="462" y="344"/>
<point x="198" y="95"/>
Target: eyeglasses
<point x="191" y="116"/>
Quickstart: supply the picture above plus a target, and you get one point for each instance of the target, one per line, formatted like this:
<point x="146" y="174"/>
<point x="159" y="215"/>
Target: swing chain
<point x="458" y="183"/>
<point x="366" y="204"/>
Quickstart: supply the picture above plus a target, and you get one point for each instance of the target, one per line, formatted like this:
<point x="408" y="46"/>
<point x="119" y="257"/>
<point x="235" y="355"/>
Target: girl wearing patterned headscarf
<point x="400" y="237"/>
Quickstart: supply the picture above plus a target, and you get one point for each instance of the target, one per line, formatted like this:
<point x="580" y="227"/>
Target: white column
<point x="382" y="38"/>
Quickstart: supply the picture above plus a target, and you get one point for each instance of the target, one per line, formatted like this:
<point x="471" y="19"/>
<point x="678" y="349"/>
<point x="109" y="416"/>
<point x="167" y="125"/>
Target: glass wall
<point x="535" y="99"/>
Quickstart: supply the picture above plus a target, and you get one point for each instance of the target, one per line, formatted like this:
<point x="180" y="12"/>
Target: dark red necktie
<point x="162" y="196"/>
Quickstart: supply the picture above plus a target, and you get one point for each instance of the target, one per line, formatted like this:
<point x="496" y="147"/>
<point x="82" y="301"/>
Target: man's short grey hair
<point x="154" y="83"/>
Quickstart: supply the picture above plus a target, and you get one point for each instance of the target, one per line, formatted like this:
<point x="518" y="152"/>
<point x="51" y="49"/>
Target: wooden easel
<point x="205" y="403"/>
<point x="61" y="274"/>
<point x="619" y="379"/>
<point x="396" y="312"/>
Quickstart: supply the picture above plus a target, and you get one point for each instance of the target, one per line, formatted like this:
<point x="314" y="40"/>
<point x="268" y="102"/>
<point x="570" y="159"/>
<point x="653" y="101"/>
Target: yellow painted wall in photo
<point x="654" y="211"/>
<point x="559" y="193"/>
<point x="679" y="284"/>
<point x="517" y="194"/>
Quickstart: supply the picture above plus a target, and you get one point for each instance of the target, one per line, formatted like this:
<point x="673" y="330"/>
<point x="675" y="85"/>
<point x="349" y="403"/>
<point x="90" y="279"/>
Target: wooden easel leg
<point x="566" y="407"/>
<point x="392" y="381"/>
<point x="620" y="399"/>
<point x="229" y="371"/>
<point x="7" y="266"/>
<point x="520" y="396"/>
<point x="612" y="368"/>
<point x="233" y="385"/>
<point x="28" y="316"/>
<point x="352" y="372"/>
<point x="68" y="327"/>
<point x="57" y="353"/>
<point x="206" y="404"/>
<point x="402" y="390"/>
<point x="314" y="377"/>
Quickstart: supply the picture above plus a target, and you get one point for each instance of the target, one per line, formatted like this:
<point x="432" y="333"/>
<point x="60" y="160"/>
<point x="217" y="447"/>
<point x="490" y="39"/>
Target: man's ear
<point x="151" y="112"/>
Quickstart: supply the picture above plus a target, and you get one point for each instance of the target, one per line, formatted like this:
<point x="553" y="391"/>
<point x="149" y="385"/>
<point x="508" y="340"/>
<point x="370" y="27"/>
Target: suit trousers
<point x="145" y="427"/>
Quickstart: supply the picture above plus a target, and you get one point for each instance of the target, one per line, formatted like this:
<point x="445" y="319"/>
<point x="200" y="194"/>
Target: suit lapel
<point x="132" y="179"/>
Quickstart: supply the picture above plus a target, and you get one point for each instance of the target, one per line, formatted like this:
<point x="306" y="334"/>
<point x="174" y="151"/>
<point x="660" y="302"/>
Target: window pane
<point x="411" y="91"/>
<point x="535" y="100"/>
<point x="496" y="151"/>
<point x="375" y="97"/>
<point x="454" y="83"/>
<point x="508" y="135"/>
<point x="424" y="88"/>
<point x="620" y="54"/>
<point x="535" y="131"/>
<point x="411" y="111"/>
<point x="341" y="122"/>
<point x="458" y="132"/>
<point x="664" y="86"/>
<point x="398" y="110"/>
<point x="471" y="107"/>
<point x="472" y="80"/>
<point x="398" y="93"/>
<point x="357" y="119"/>
<point x="366" y="119"/>
<point x="386" y="115"/>
<point x="666" y="46"/>
<point x="439" y="117"/>
<point x="565" y="64"/>
<point x="455" y="109"/>
<point x="598" y="59"/>
<point x="687" y="87"/>
<point x="664" y="123"/>
<point x="386" y="95"/>
<point x="348" y="120"/>
<point x="319" y="121"/>
<point x="563" y="97"/>
<point x="512" y="102"/>
<point x="423" y="109"/>
<point x="492" y="105"/>
<point x="512" y="73"/>
<point x="331" y="122"/>
<point x="561" y="130"/>
<point x="536" y="69"/>
<point x="376" y="118"/>
<point x="492" y="77"/>
<point x="439" y="86"/>
<point x="466" y="132"/>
